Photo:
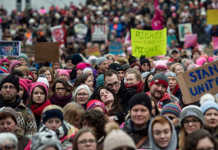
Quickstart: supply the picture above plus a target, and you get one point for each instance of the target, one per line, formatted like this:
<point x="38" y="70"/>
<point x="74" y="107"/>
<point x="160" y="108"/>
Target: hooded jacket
<point x="173" y="141"/>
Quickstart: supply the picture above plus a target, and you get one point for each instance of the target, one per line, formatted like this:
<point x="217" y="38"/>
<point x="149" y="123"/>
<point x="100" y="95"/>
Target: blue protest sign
<point x="10" y="48"/>
<point x="116" y="48"/>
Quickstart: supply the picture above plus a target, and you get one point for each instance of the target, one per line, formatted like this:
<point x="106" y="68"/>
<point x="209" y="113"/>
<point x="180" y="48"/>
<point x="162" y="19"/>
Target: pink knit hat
<point x="25" y="83"/>
<point x="82" y="66"/>
<point x="35" y="84"/>
<point x="13" y="64"/>
<point x="63" y="72"/>
<point x="201" y="61"/>
<point x="95" y="103"/>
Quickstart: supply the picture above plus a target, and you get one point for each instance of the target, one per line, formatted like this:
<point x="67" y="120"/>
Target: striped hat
<point x="172" y="108"/>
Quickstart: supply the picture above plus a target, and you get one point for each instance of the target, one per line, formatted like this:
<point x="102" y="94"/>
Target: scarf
<point x="37" y="110"/>
<point x="61" y="100"/>
<point x="139" y="86"/>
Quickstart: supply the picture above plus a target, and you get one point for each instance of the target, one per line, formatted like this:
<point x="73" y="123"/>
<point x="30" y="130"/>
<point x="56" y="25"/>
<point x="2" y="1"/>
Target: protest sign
<point x="190" y="40"/>
<point x="46" y="52"/>
<point x="215" y="42"/>
<point x="10" y="48"/>
<point x="93" y="51"/>
<point x="198" y="81"/>
<point x="148" y="42"/>
<point x="81" y="31"/>
<point x="183" y="30"/>
<point x="57" y="34"/>
<point x="116" y="48"/>
<point x="99" y="32"/>
<point x="212" y="16"/>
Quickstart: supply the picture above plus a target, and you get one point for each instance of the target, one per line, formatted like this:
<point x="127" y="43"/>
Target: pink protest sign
<point x="190" y="40"/>
<point x="58" y="34"/>
<point x="215" y="42"/>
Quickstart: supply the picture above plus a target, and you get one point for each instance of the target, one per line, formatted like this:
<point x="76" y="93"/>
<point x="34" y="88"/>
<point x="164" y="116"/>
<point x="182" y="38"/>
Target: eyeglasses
<point x="82" y="94"/>
<point x="110" y="85"/>
<point x="186" y="122"/>
<point x="85" y="141"/>
<point x="8" y="87"/>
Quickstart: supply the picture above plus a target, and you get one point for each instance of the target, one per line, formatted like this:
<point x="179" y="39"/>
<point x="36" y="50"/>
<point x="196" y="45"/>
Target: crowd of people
<point x="109" y="102"/>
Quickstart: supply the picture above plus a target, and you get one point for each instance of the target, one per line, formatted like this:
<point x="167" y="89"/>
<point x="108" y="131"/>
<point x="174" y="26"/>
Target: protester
<point x="8" y="140"/>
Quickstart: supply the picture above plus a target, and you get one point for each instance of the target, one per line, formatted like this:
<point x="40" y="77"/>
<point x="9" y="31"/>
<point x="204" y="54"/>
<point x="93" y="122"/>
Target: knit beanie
<point x="64" y="72"/>
<point x="82" y="86"/>
<point x="140" y="99"/>
<point x="95" y="103"/>
<point x="3" y="70"/>
<point x="145" y="74"/>
<point x="52" y="113"/>
<point x="171" y="108"/>
<point x="191" y="111"/>
<point x="208" y="105"/>
<point x="35" y="84"/>
<point x="159" y="78"/>
<point x="11" y="79"/>
<point x="100" y="80"/>
<point x="5" y="111"/>
<point x="100" y="60"/>
<point x="82" y="66"/>
<point x="207" y="97"/>
<point x="118" y="138"/>
<point x="24" y="56"/>
<point x="13" y="64"/>
<point x="43" y="80"/>
<point x="25" y="83"/>
<point x="170" y="74"/>
<point x="115" y="66"/>
<point x="43" y="139"/>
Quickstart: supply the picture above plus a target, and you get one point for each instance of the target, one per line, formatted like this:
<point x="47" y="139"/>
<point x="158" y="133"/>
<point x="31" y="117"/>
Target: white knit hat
<point x="43" y="80"/>
<point x="118" y="138"/>
<point x="82" y="86"/>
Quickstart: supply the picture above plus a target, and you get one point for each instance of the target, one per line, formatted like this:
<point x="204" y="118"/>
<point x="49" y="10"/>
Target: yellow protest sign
<point x="149" y="42"/>
<point x="212" y="16"/>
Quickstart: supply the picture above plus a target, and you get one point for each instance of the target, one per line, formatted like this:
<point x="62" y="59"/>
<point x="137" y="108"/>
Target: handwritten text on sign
<point x="148" y="43"/>
<point x="199" y="81"/>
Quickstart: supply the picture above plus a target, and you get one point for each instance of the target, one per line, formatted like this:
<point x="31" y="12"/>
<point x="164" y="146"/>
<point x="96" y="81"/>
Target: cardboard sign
<point x="190" y="40"/>
<point x="197" y="82"/>
<point x="116" y="48"/>
<point x="99" y="32"/>
<point x="93" y="51"/>
<point x="46" y="52"/>
<point x="10" y="48"/>
<point x="215" y="42"/>
<point x="212" y="16"/>
<point x="183" y="30"/>
<point x="149" y="42"/>
<point x="57" y="34"/>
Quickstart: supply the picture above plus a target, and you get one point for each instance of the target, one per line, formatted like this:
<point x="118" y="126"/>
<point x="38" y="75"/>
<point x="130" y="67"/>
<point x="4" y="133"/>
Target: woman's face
<point x="106" y="96"/>
<point x="90" y="82"/>
<point x="60" y="89"/>
<point x="162" y="134"/>
<point x="139" y="115"/>
<point x="53" y="123"/>
<point x="179" y="69"/>
<point x="7" y="125"/>
<point x="79" y="72"/>
<point x="48" y="76"/>
<point x="172" y="82"/>
<point x="86" y="141"/>
<point x="21" y="92"/>
<point x="38" y="95"/>
<point x="82" y="96"/>
<point x="211" y="118"/>
<point x="205" y="144"/>
<point x="191" y="124"/>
